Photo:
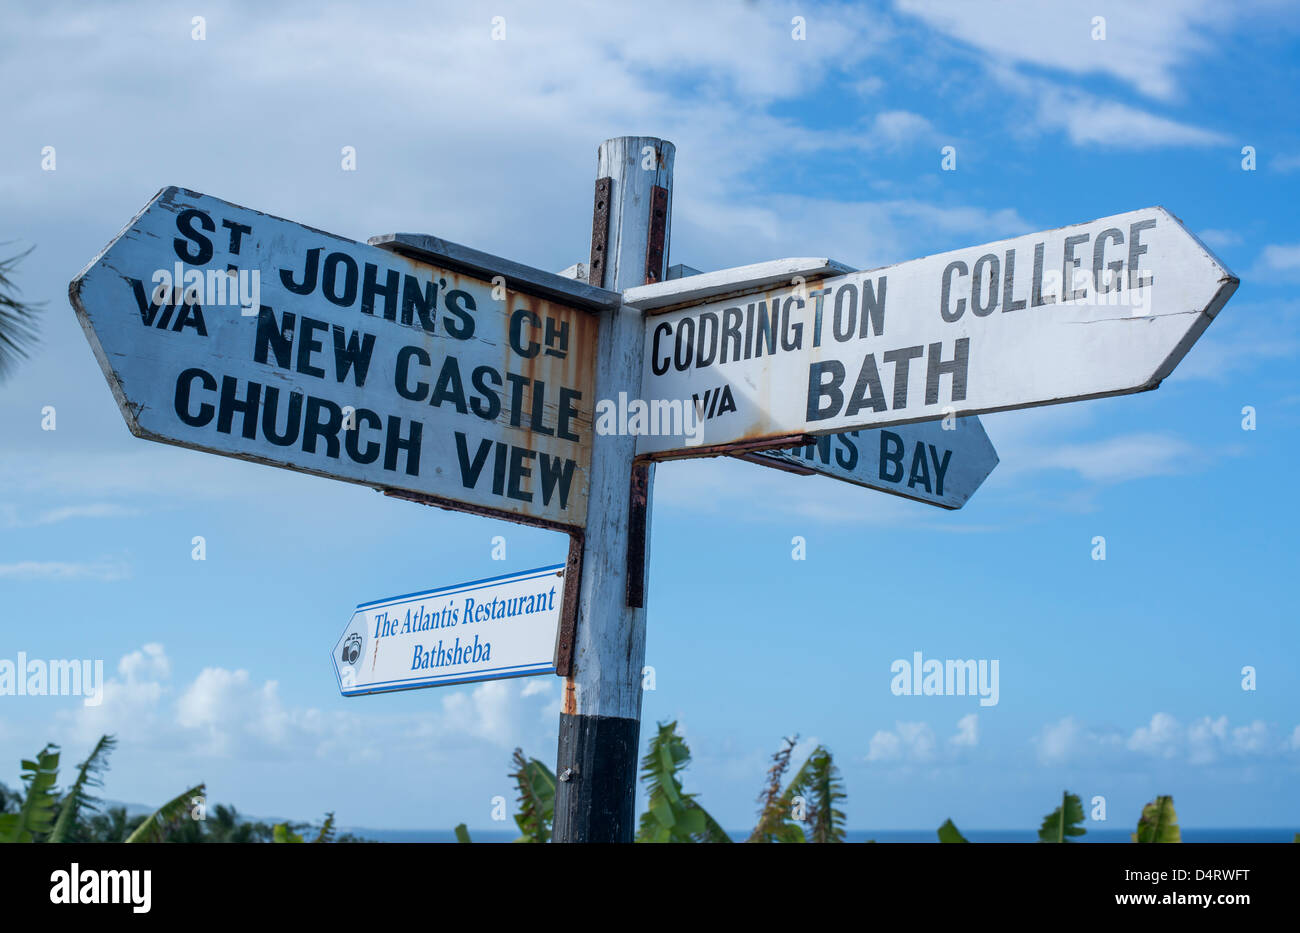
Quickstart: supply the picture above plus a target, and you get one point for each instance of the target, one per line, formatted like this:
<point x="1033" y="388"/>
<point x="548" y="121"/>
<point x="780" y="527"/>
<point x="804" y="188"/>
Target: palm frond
<point x="17" y="318"/>
<point x="948" y="833"/>
<point x="536" y="785"/>
<point x="1159" y="822"/>
<point x="672" y="815"/>
<point x="35" y="815"/>
<point x="1062" y="823"/>
<point x="159" y="823"/>
<point x="772" y="810"/>
<point x="326" y="833"/>
<point x="89" y="774"/>
<point x="825" y="821"/>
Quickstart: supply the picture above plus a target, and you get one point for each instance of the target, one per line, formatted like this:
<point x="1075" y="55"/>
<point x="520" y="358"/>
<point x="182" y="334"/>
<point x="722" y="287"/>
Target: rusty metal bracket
<point x="567" y="632"/>
<point x="736" y="449"/>
<point x="637" y="531"/>
<point x="599" y="232"/>
<point x="654" y="247"/>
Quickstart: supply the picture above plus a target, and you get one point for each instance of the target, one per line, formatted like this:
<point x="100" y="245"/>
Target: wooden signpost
<point x="449" y="376"/>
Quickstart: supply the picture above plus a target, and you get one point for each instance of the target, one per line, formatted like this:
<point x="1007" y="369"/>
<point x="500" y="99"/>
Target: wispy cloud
<point x="1203" y="741"/>
<point x="105" y="570"/>
<point x="68" y="513"/>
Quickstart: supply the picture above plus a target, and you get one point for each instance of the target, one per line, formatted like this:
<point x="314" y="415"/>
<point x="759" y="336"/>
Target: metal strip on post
<point x="599" y="232"/>
<point x="656" y="242"/>
<point x="600" y="725"/>
<point x="569" y="617"/>
<point x="638" y="532"/>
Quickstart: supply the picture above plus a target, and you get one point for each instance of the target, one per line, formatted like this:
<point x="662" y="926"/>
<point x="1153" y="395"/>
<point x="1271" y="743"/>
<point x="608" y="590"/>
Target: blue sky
<point x="1120" y="678"/>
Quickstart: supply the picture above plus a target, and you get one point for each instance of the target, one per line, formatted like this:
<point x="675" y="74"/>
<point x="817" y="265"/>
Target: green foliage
<point x="816" y="787"/>
<point x="89" y="774"/>
<point x="34" y="817"/>
<point x="113" y="825"/>
<point x="824" y="788"/>
<point x="536" y="785"/>
<point x="1159" y="822"/>
<point x="462" y="833"/>
<point x="40" y="815"/>
<point x="159" y="824"/>
<point x="1063" y="821"/>
<point x="672" y="815"/>
<point x="948" y="833"/>
<point x="774" y="824"/>
<point x="17" y="318"/>
<point x="283" y="832"/>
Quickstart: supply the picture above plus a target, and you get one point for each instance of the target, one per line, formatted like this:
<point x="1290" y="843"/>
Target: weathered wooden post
<point x="600" y="723"/>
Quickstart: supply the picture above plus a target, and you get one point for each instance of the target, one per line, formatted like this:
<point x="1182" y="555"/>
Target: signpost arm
<point x="600" y="723"/>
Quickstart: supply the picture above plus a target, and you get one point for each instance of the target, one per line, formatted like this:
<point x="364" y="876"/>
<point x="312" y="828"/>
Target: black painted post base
<point x="596" y="792"/>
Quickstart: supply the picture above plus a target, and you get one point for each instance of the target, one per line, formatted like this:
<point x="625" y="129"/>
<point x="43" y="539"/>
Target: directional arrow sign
<point x="486" y="630"/>
<point x="1097" y="309"/>
<point x="937" y="462"/>
<point x="234" y="332"/>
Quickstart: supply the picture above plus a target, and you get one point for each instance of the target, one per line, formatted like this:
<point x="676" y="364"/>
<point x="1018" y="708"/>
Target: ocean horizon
<point x="1210" y="836"/>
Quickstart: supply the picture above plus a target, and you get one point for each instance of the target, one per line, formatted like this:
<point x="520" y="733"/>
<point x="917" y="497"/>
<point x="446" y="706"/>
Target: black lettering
<point x="184" y="386"/>
<point x="819" y="389"/>
<point x="401" y="374"/>
<point x="330" y="283"/>
<point x="314" y="427"/>
<point x="349" y="352"/>
<point x="202" y="253"/>
<point x="371" y="289"/>
<point x="902" y="360"/>
<point x="956" y="367"/>
<point x="246" y="407"/>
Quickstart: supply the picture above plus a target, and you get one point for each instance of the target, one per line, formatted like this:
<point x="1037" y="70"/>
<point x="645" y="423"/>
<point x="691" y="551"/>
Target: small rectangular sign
<point x="486" y="630"/>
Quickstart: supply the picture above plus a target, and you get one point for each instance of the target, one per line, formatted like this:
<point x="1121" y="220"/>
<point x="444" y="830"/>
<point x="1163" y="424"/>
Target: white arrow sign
<point x="486" y="630"/>
<point x="934" y="462"/>
<point x="1102" y="308"/>
<point x="234" y="332"/>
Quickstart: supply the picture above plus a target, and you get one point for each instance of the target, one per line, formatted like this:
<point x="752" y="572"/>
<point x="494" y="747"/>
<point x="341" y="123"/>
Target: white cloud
<point x="1204" y="741"/>
<point x="1088" y="120"/>
<point x="1145" y="44"/>
<point x="1279" y="261"/>
<point x="1117" y="459"/>
<point x="226" y="713"/>
<point x="105" y="571"/>
<point x="1220" y="239"/>
<point x="67" y="513"/>
<point x="1068" y="740"/>
<point x="1162" y="737"/>
<point x="915" y="742"/>
<point x="1285" y="163"/>
<point x="967" y="732"/>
